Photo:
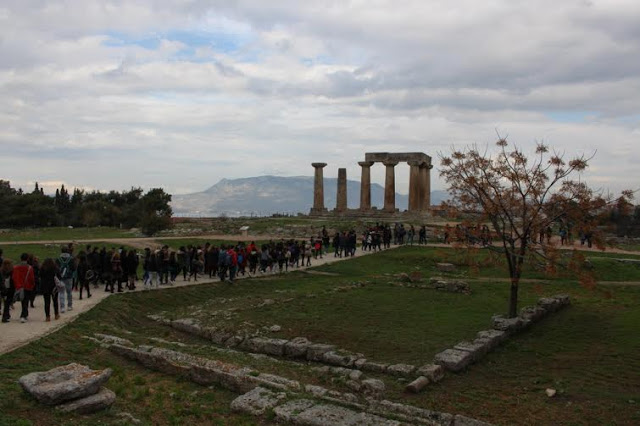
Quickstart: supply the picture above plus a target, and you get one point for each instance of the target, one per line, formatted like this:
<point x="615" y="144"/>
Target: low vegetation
<point x="588" y="352"/>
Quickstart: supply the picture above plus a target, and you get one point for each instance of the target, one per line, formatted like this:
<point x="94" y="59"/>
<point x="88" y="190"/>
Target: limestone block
<point x="265" y="345"/>
<point x="453" y="360"/>
<point x="342" y="359"/>
<point x="317" y="391"/>
<point x="190" y="326"/>
<point x="563" y="299"/>
<point x="330" y="415"/>
<point x="496" y="336"/>
<point x="233" y="341"/>
<point x="106" y="338"/>
<point x="315" y="351"/>
<point x="297" y="348"/>
<point x="90" y="404"/>
<point x="549" y="304"/>
<point x="510" y="325"/>
<point x="417" y="415"/>
<point x="533" y="313"/>
<point x="279" y="380"/>
<point x="401" y="369"/>
<point x="257" y="401"/>
<point x="374" y="367"/>
<point x="433" y="372"/>
<point x="64" y="383"/>
<point x="219" y="337"/>
<point x="359" y="363"/>
<point x="417" y="385"/>
<point x="478" y="349"/>
<point x="287" y="412"/>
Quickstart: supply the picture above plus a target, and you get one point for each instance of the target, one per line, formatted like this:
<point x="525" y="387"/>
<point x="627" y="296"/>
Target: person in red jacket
<point x="24" y="278"/>
<point x="233" y="268"/>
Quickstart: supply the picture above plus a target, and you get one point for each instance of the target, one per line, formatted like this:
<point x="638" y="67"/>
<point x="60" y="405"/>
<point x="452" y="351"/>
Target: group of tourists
<point x="79" y="272"/>
<point x="53" y="279"/>
<point x="381" y="236"/>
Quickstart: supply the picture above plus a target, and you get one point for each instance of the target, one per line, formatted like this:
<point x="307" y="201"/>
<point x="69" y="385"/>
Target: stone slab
<point x="402" y="370"/>
<point x="453" y="360"/>
<point x="257" y="401"/>
<point x="433" y="372"/>
<point x="315" y="351"/>
<point x="90" y="404"/>
<point x="64" y="383"/>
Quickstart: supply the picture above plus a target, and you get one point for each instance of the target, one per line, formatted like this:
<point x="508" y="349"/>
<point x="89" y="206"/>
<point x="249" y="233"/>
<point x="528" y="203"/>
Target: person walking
<point x="48" y="273"/>
<point x="24" y="282"/>
<point x="66" y="266"/>
<point x="7" y="288"/>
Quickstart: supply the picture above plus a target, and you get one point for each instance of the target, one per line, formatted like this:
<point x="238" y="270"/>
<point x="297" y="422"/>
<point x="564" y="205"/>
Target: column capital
<point x="414" y="163"/>
<point x="366" y="163"/>
<point x="319" y="165"/>
<point x="390" y="163"/>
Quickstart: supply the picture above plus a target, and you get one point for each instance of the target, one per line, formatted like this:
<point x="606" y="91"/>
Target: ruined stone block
<point x="315" y="351"/>
<point x="433" y="372"/>
<point x="257" y="401"/>
<point x="453" y="360"/>
<point x="402" y="370"/>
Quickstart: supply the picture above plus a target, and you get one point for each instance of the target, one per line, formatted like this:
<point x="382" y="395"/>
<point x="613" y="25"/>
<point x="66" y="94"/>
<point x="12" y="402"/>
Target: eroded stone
<point x="90" y="404"/>
<point x="64" y="383"/>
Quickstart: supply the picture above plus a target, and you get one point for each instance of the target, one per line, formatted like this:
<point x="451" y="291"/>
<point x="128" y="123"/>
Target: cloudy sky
<point x="179" y="94"/>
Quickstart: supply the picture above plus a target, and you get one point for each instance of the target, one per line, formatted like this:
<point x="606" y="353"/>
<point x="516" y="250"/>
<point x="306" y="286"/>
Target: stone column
<point x="390" y="186"/>
<point x="318" y="188"/>
<point x="365" y="185"/>
<point x="341" y="196"/>
<point x="415" y="186"/>
<point x="425" y="186"/>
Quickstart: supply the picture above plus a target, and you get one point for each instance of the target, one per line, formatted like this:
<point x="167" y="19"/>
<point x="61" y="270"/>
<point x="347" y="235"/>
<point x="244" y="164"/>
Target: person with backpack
<point x="223" y="263"/>
<point x="232" y="262"/>
<point x="67" y="267"/>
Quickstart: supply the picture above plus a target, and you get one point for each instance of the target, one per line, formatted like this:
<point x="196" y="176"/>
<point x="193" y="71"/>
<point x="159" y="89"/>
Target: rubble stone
<point x="64" y="383"/>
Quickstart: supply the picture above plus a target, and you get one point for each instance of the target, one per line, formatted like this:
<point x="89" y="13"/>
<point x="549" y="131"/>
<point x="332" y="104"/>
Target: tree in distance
<point x="523" y="197"/>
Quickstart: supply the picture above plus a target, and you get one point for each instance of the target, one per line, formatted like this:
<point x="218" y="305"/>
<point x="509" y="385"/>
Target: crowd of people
<point x="79" y="272"/>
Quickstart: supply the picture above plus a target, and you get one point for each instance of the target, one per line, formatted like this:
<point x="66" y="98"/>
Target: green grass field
<point x="64" y="234"/>
<point x="587" y="352"/>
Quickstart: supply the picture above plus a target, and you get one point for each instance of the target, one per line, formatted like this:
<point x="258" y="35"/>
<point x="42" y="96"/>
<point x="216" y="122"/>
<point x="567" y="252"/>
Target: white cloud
<point x="113" y="94"/>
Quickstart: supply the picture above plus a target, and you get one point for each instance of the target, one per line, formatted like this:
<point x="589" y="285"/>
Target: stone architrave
<point x="341" y="196"/>
<point x="365" y="185"/>
<point x="318" y="188"/>
<point x="390" y="186"/>
<point x="415" y="186"/>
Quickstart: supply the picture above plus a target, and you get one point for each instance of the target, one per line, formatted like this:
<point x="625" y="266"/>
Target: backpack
<point x="227" y="259"/>
<point x="66" y="268"/>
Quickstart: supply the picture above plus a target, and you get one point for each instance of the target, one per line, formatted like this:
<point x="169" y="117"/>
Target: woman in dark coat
<point x="8" y="288"/>
<point x="83" y="268"/>
<point x="48" y="271"/>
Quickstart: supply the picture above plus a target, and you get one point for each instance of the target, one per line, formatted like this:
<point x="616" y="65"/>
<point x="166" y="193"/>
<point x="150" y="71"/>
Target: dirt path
<point x="16" y="334"/>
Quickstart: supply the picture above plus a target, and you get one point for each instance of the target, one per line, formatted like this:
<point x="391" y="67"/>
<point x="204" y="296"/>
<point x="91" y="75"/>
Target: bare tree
<point x="522" y="197"/>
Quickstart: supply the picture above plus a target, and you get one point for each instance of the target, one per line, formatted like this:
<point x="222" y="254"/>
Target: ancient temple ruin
<point x="419" y="184"/>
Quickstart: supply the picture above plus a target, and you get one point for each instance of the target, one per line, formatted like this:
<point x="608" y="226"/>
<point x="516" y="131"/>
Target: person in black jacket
<point x="82" y="270"/>
<point x="48" y="271"/>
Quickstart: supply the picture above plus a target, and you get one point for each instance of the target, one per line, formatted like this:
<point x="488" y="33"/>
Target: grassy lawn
<point x="587" y="352"/>
<point x="63" y="233"/>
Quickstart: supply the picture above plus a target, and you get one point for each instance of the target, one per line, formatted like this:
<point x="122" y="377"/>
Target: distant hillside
<point x="267" y="195"/>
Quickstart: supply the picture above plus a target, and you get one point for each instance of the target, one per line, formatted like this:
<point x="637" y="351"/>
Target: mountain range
<point x="267" y="195"/>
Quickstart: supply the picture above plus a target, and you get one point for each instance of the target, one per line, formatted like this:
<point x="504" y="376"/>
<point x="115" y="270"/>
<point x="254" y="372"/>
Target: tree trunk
<point x="513" y="299"/>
